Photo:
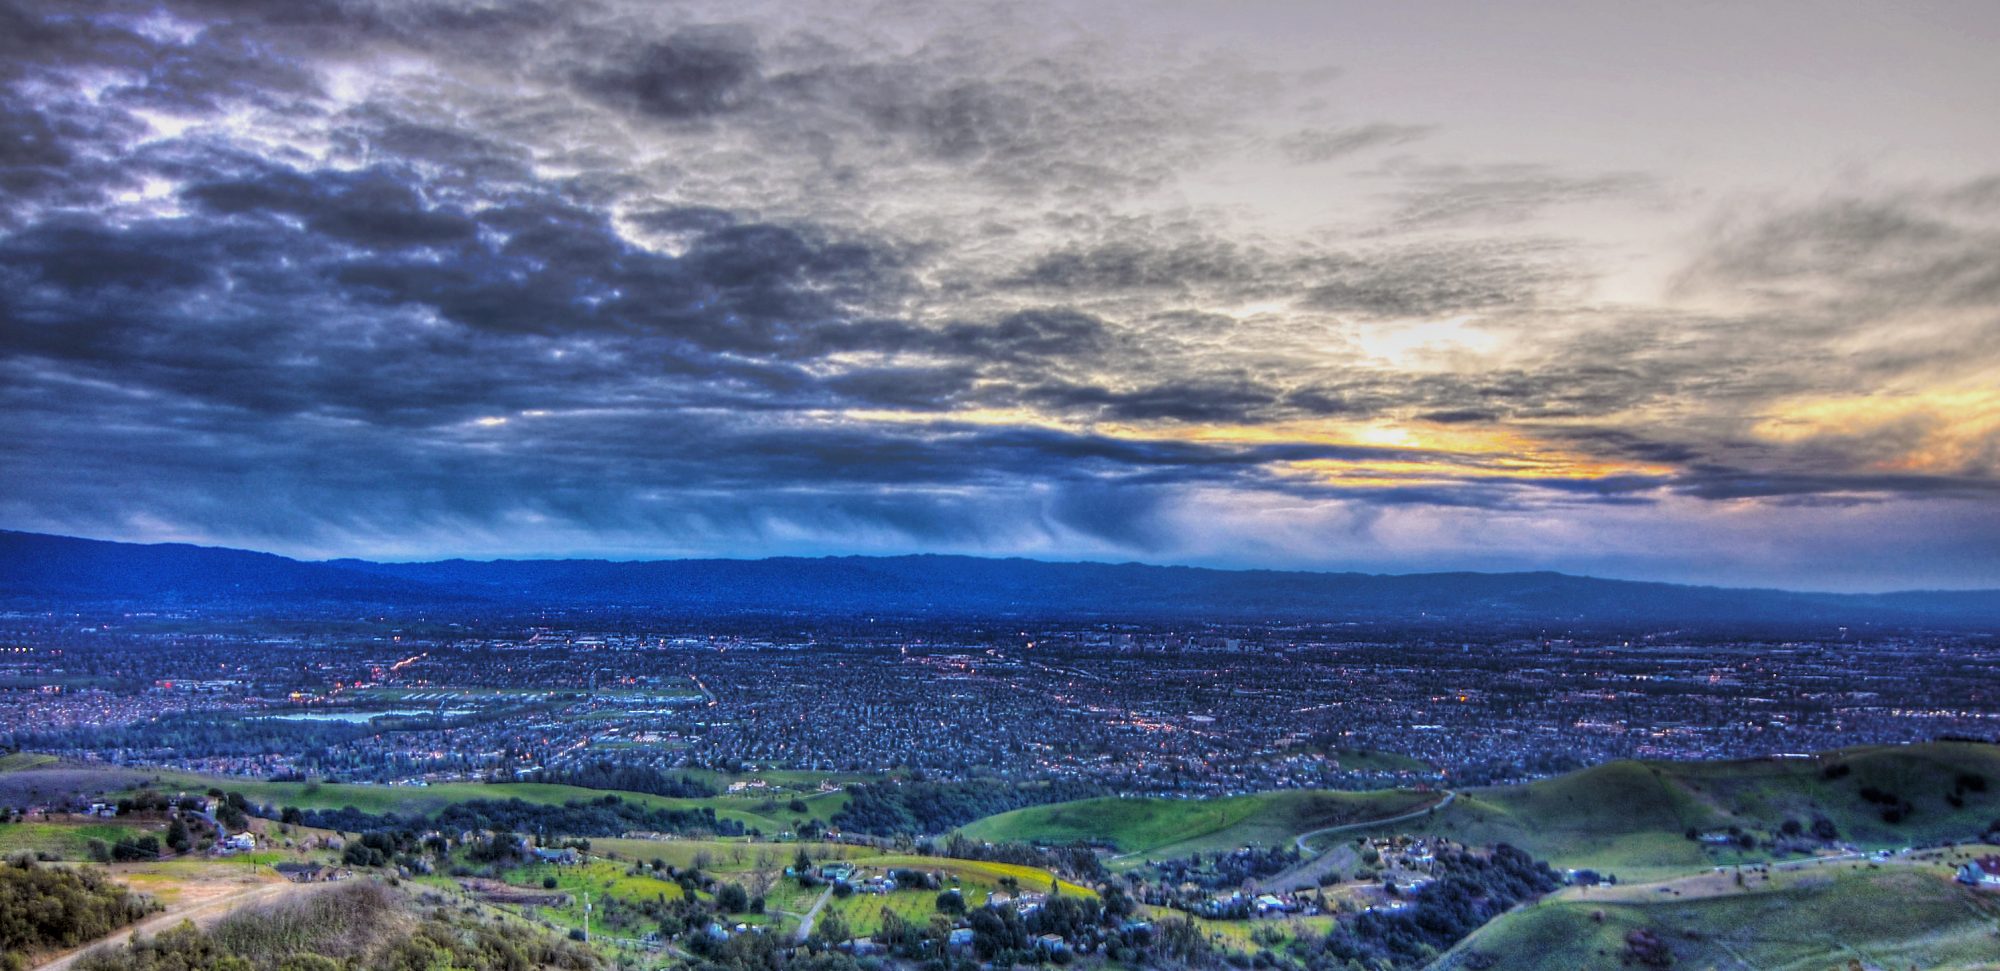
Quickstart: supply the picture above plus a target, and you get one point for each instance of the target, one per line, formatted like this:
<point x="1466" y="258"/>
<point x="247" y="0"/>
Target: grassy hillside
<point x="65" y="839"/>
<point x="1630" y="817"/>
<point x="1890" y="916"/>
<point x="1160" y="828"/>
<point x="765" y="812"/>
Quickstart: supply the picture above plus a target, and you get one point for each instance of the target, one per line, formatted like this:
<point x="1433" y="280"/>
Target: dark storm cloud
<point x="335" y="270"/>
<point x="692" y="74"/>
<point x="1206" y="401"/>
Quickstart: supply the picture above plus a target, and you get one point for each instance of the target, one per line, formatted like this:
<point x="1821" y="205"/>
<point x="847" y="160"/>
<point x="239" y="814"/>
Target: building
<point x="1983" y="872"/>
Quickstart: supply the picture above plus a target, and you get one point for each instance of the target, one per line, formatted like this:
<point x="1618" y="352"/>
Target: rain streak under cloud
<point x="1701" y="294"/>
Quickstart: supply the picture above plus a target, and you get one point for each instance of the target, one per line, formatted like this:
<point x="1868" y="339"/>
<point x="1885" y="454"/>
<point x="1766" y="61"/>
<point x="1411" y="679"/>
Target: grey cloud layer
<point x="311" y="274"/>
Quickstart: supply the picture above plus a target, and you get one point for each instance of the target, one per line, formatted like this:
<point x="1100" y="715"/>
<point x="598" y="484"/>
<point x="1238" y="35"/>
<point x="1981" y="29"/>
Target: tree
<point x="177" y="836"/>
<point x="731" y="898"/>
<point x="831" y="929"/>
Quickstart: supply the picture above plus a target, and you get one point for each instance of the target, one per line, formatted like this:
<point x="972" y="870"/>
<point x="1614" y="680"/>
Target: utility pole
<point x="586" y="917"/>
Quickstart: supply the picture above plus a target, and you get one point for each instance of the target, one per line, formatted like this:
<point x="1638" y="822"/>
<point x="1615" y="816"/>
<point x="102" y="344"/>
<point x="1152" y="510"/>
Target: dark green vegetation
<point x="1643" y="820"/>
<point x="47" y="908"/>
<point x="606" y="815"/>
<point x="1470" y="890"/>
<point x="358" y="927"/>
<point x="604" y="774"/>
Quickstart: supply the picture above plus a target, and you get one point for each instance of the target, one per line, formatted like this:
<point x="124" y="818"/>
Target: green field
<point x="17" y="761"/>
<point x="1371" y="760"/>
<point x="1892" y="916"/>
<point x="601" y="880"/>
<point x="1630" y="818"/>
<point x="62" y="840"/>
<point x="606" y="880"/>
<point x="975" y="879"/>
<point x="764" y="812"/>
<point x="722" y="856"/>
<point x="1162" y="828"/>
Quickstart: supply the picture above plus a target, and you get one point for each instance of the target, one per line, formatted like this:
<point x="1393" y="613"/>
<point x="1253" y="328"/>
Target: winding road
<point x="1307" y="872"/>
<point x="806" y="922"/>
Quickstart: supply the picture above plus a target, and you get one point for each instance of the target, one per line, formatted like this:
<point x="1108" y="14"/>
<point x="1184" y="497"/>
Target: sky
<point x="1704" y="292"/>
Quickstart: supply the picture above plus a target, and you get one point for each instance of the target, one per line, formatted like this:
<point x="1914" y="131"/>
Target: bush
<point x="43" y="908"/>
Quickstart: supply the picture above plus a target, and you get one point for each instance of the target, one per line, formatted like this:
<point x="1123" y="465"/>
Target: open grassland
<point x="1371" y="760"/>
<point x="1162" y="828"/>
<point x="43" y="783"/>
<point x="16" y="761"/>
<point x="1242" y="935"/>
<point x="196" y="880"/>
<point x="767" y="813"/>
<point x="1888" y="916"/>
<point x="65" y="840"/>
<point x="1631" y="818"/>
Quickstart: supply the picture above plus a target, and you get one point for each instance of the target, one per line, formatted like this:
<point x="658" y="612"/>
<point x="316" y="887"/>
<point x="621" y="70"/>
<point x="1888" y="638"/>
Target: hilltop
<point x="1633" y="818"/>
<point x="43" y="570"/>
<point x="1629" y="818"/>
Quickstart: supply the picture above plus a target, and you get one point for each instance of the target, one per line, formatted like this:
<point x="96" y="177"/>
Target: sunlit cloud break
<point x="1212" y="284"/>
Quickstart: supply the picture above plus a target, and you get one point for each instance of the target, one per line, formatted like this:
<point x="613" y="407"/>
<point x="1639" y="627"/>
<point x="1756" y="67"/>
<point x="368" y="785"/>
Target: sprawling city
<point x="1001" y="485"/>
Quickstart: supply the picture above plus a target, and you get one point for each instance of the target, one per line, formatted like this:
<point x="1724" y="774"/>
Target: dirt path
<point x="203" y="914"/>
<point x="806" y="924"/>
<point x="1307" y="872"/>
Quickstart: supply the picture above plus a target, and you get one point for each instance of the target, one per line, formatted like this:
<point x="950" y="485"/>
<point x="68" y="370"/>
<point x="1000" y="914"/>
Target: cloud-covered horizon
<point x="440" y="278"/>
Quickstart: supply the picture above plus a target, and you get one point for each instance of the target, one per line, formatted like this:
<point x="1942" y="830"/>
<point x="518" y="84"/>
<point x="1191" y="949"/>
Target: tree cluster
<point x="51" y="908"/>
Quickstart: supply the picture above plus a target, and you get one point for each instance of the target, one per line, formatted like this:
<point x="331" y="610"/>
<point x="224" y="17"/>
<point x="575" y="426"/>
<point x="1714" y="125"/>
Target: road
<point x="203" y="914"/>
<point x="806" y="922"/>
<point x="1307" y="872"/>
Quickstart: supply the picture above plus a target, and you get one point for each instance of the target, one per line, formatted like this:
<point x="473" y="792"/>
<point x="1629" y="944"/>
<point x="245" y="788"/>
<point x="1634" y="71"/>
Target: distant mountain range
<point x="41" y="571"/>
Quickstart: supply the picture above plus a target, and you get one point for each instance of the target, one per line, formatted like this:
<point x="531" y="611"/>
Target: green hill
<point x="1631" y="818"/>
<point x="1161" y="828"/>
<point x="1813" y="919"/>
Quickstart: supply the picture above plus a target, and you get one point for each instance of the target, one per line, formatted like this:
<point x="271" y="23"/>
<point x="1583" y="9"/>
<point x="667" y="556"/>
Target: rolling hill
<point x="1631" y="818"/>
<point x="1161" y="828"/>
<point x="47" y="570"/>
<point x="1887" y="916"/>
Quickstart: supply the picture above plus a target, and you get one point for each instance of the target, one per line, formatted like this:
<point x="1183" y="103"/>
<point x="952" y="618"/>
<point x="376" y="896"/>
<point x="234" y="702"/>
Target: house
<point x="1983" y="872"/>
<point x="310" y="872"/>
<point x="562" y="857"/>
<point x="1051" y="944"/>
<point x="1269" y="904"/>
<point x="240" y="843"/>
<point x="959" y="939"/>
